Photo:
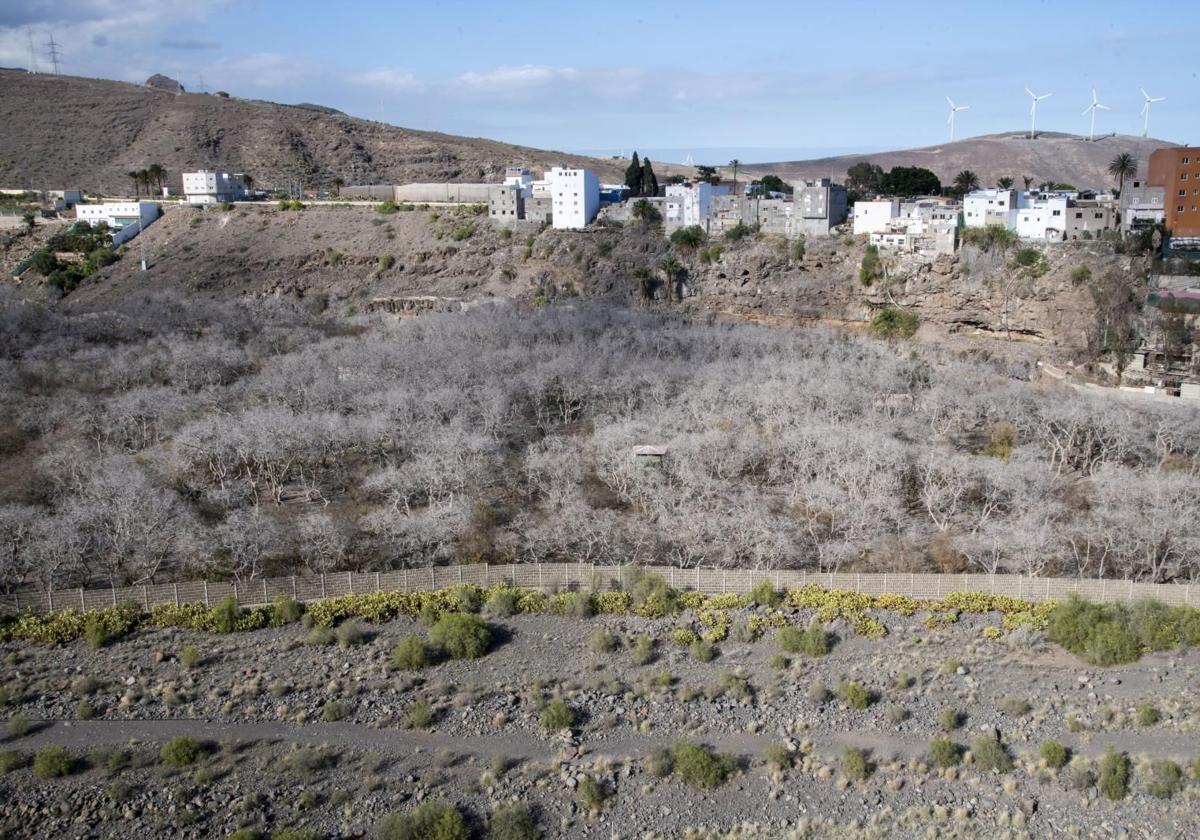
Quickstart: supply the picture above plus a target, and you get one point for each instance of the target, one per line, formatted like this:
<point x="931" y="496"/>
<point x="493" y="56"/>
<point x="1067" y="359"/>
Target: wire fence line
<point x="567" y="576"/>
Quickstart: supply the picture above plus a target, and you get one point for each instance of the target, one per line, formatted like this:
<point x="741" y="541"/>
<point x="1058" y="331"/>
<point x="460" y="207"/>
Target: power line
<point x="52" y="51"/>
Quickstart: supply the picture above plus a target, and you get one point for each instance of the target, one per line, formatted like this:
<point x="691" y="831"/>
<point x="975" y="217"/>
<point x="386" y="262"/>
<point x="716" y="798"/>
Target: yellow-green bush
<point x="612" y="603"/>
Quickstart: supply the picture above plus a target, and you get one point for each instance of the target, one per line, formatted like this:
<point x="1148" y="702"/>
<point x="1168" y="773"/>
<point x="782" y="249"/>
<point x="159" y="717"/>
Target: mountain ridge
<point x="1053" y="156"/>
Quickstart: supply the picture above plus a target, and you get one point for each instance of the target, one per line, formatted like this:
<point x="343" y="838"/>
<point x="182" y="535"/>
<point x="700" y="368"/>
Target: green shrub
<point x="590" y="794"/>
<point x="813" y="641"/>
<point x="180" y="751"/>
<point x="699" y="766"/>
<point x="990" y="755"/>
<point x="1114" y="775"/>
<point x="652" y="597"/>
<point x="777" y="755"/>
<point x="462" y="232"/>
<point x="779" y="662"/>
<point x="461" y="635"/>
<point x="430" y="821"/>
<point x="118" y="792"/>
<point x="349" y="634"/>
<point x="84" y="710"/>
<point x="285" y="610"/>
<point x="764" y="595"/>
<point x="854" y="695"/>
<point x="950" y="719"/>
<point x="871" y="268"/>
<point x="225" y="615"/>
<point x="602" y="641"/>
<point x="659" y="763"/>
<point x="701" y="651"/>
<point x="247" y="834"/>
<point x="319" y="636"/>
<point x="420" y="715"/>
<point x="576" y="604"/>
<point x="1015" y="706"/>
<point x="386" y="208"/>
<point x="512" y="822"/>
<point x="189" y="657"/>
<point x="95" y="633"/>
<point x="11" y="760"/>
<point x="1027" y="257"/>
<point x="18" y="726"/>
<point x="52" y="763"/>
<point x="305" y="762"/>
<point x="855" y="764"/>
<point x="1080" y="275"/>
<point x="502" y="603"/>
<point x="943" y="752"/>
<point x="556" y="715"/>
<point x="1054" y="754"/>
<point x="1165" y="779"/>
<point x="332" y="711"/>
<point x="643" y="649"/>
<point x="1147" y="715"/>
<point x="409" y="653"/>
<point x="891" y="322"/>
<point x="1099" y="633"/>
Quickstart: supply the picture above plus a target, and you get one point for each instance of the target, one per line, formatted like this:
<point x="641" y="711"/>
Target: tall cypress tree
<point x="649" y="181"/>
<point x="633" y="176"/>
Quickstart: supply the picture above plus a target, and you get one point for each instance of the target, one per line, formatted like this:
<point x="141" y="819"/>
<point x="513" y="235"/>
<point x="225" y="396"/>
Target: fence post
<point x="697" y="577"/>
<point x="1021" y="586"/>
<point x="82" y="603"/>
<point x="206" y="593"/>
<point x="858" y="582"/>
<point x="460" y="574"/>
<point x="939" y="588"/>
<point x="885" y="589"/>
<point x="432" y="579"/>
<point x="50" y="592"/>
<point x="912" y="584"/>
<point x="177" y="594"/>
<point x="264" y="590"/>
<point x="235" y="595"/>
<point x="1130" y="598"/>
<point x="724" y="575"/>
<point x="1046" y="597"/>
<point x="377" y="588"/>
<point x="294" y="587"/>
<point x="405" y="578"/>
<point x="539" y="568"/>
<point x="113" y="587"/>
<point x="485" y="575"/>
<point x="322" y="584"/>
<point x="145" y="596"/>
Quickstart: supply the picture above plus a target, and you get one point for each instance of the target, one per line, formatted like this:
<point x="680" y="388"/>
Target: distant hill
<point x="70" y="132"/>
<point x="1051" y="157"/>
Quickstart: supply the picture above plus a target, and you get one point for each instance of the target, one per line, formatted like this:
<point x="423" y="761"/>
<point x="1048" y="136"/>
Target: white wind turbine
<point x="1033" y="111"/>
<point x="954" y="109"/>
<point x="1150" y="100"/>
<point x="1095" y="106"/>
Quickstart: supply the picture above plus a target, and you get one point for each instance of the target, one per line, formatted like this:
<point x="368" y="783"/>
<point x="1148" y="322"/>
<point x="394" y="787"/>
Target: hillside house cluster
<point x="213" y="187"/>
<point x="126" y="219"/>
<point x="1044" y="215"/>
<point x="923" y="225"/>
<point x="567" y="198"/>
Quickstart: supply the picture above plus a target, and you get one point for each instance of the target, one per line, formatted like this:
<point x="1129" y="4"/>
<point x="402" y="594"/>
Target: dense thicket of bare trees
<point x="172" y="438"/>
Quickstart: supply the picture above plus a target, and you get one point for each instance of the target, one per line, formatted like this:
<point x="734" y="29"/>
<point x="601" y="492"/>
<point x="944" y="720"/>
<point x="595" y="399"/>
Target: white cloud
<point x="503" y="80"/>
<point x="262" y="70"/>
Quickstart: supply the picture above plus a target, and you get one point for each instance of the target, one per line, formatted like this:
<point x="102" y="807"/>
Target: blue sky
<point x="759" y="79"/>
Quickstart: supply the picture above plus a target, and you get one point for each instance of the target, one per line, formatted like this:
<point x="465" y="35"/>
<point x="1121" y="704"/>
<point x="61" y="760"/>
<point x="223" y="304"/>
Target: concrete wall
<point x="443" y="193"/>
<point x="873" y="216"/>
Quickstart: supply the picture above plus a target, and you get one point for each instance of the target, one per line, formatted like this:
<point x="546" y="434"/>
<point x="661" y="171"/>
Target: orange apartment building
<point x="1177" y="171"/>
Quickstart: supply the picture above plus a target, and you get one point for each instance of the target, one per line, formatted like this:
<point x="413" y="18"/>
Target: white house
<point x="520" y="177"/>
<point x="125" y="218"/>
<point x="207" y="187"/>
<point x="1042" y="217"/>
<point x="576" y="197"/>
<point x="983" y="208"/>
<point x="874" y="216"/>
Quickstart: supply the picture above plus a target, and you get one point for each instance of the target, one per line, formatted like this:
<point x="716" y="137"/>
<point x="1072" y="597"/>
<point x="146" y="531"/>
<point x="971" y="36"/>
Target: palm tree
<point x="735" y="163"/>
<point x="136" y="178"/>
<point x="672" y="269"/>
<point x="1005" y="183"/>
<point x="338" y="183"/>
<point x="248" y="181"/>
<point x="1027" y="179"/>
<point x="156" y="173"/>
<point x="1123" y="166"/>
<point x="966" y="181"/>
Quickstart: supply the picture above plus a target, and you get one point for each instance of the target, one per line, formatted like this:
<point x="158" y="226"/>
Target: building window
<point x="1182" y="176"/>
<point x="1179" y="209"/>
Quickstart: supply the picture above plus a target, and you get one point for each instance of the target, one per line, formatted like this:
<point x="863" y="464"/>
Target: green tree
<point x="136" y="177"/>
<point x="649" y="181"/>
<point x="248" y="180"/>
<point x="30" y="220"/>
<point x="1005" y="183"/>
<point x="633" y="175"/>
<point x="865" y="177"/>
<point x="1121" y="167"/>
<point x="689" y="238"/>
<point x="338" y="183"/>
<point x="709" y="174"/>
<point x="965" y="182"/>
<point x="645" y="212"/>
<point x="769" y="184"/>
<point x="911" y="180"/>
<point x="1027" y="179"/>
<point x="157" y="174"/>
<point x="672" y="270"/>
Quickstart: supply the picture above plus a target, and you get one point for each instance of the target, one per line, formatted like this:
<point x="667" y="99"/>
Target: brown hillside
<point x="1052" y="157"/>
<point x="70" y="132"/>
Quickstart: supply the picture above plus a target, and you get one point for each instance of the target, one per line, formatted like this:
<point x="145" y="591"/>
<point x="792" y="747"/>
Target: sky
<point x="762" y="81"/>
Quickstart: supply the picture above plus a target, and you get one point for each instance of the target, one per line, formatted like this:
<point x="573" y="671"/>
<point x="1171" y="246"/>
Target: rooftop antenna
<point x="1033" y="111"/>
<point x="52" y="50"/>
<point x="954" y="109"/>
<point x="1150" y="100"/>
<point x="1095" y="106"/>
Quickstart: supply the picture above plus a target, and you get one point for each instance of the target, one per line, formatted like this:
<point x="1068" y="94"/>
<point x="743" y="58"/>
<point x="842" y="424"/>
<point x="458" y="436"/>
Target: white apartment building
<point x="208" y="187"/>
<point x="521" y="177"/>
<point x="983" y="208"/>
<point x="576" y="197"/>
<point x="691" y="204"/>
<point x="874" y="216"/>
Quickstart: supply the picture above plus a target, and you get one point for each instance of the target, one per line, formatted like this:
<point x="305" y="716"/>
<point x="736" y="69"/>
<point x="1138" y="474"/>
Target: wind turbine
<point x="1093" y="108"/>
<point x="1033" y="111"/>
<point x="1150" y="100"/>
<point x="954" y="109"/>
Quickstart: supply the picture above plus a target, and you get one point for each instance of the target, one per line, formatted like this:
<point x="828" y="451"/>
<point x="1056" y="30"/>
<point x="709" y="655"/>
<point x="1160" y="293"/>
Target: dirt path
<point x="85" y="734"/>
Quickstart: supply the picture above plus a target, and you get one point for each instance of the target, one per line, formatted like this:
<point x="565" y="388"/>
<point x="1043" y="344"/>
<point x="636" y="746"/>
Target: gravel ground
<point x="258" y="697"/>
